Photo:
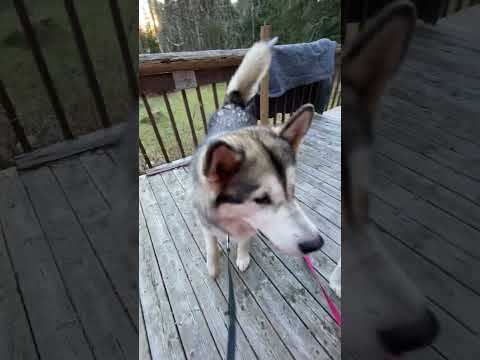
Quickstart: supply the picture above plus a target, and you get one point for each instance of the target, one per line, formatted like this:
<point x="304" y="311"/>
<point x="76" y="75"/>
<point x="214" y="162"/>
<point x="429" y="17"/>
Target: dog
<point x="244" y="174"/>
<point x="387" y="315"/>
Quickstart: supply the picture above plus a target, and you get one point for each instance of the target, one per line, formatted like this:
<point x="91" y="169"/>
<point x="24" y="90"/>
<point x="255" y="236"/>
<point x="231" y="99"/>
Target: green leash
<point x="232" y="310"/>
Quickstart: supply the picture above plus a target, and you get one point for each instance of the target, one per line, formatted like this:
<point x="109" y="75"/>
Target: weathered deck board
<point x="253" y="320"/>
<point x="143" y="346"/>
<point x="16" y="337"/>
<point x="160" y="328"/>
<point x="189" y="317"/>
<point x="281" y="312"/>
<point x="110" y="332"/>
<point x="426" y="190"/>
<point x="100" y="166"/>
<point x="55" y="322"/>
<point x="93" y="213"/>
<point x="211" y="298"/>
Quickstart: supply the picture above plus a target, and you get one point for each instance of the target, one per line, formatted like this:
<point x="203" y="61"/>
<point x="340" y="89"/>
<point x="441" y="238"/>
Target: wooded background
<point x="187" y="25"/>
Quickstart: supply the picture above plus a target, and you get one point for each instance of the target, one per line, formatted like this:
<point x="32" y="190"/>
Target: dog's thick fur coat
<point x="244" y="174"/>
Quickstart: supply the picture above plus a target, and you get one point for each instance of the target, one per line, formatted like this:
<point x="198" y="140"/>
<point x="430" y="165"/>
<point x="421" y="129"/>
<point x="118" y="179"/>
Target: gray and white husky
<point x="244" y="174"/>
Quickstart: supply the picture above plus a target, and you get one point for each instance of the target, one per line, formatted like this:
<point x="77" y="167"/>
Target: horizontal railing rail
<point x="195" y="82"/>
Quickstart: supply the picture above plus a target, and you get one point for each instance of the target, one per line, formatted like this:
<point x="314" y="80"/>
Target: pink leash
<point x="333" y="309"/>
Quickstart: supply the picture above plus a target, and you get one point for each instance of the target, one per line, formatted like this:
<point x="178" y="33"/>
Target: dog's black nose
<point x="311" y="245"/>
<point x="408" y="337"/>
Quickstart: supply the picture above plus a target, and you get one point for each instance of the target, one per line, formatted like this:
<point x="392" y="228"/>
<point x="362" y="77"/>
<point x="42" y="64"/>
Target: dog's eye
<point x="264" y="200"/>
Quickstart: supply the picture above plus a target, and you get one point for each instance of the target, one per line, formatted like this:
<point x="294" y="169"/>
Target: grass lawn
<point x="22" y="80"/>
<point x="162" y="120"/>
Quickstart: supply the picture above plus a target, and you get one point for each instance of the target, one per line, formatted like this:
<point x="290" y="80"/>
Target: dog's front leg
<point x="213" y="253"/>
<point x="243" y="257"/>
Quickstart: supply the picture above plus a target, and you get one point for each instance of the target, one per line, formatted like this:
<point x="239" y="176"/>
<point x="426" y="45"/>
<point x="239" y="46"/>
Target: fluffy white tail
<point x="251" y="71"/>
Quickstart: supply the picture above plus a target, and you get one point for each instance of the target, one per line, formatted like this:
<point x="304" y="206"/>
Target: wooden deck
<point x="426" y="195"/>
<point x="65" y="291"/>
<point x="281" y="311"/>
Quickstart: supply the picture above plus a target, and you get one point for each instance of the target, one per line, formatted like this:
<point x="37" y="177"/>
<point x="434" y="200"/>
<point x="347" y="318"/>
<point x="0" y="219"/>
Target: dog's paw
<point x="213" y="269"/>
<point x="243" y="262"/>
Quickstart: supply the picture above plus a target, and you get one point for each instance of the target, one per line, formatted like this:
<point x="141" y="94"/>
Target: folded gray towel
<point x="294" y="65"/>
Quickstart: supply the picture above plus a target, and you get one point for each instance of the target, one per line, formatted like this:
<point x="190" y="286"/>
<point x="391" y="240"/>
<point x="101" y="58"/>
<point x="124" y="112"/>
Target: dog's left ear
<point x="297" y="126"/>
<point x="222" y="161"/>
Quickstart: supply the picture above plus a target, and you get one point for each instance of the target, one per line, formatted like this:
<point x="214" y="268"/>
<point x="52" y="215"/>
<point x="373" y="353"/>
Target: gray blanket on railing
<point x="301" y="64"/>
<point x="295" y="65"/>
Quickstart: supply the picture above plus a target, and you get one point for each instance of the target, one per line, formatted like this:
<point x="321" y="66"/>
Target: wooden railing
<point x="35" y="154"/>
<point x="195" y="81"/>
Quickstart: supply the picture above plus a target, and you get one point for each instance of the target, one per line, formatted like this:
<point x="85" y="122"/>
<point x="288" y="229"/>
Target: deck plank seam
<point x="60" y="274"/>
<point x="445" y="166"/>
<point x="374" y="193"/>
<point x="95" y="252"/>
<point x="426" y="259"/>
<point x="233" y="266"/>
<point x="253" y="257"/>
<point x="163" y="285"/>
<point x="428" y="178"/>
<point x="94" y="182"/>
<point x="19" y="291"/>
<point x="183" y="266"/>
<point x="449" y="190"/>
<point x="266" y="275"/>
<point x="143" y="323"/>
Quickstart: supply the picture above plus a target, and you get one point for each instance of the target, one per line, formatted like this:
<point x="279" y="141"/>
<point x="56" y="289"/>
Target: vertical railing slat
<point x="337" y="90"/>
<point x="284" y="110"/>
<point x="144" y="153"/>
<point x="202" y="108"/>
<point x="304" y="90"/>
<point x="87" y="63"/>
<point x="172" y="122"/>
<point x="215" y="95"/>
<point x="189" y="117"/>
<point x="42" y="68"/>
<point x="123" y="42"/>
<point x="12" y="116"/>
<point x="154" y="126"/>
<point x="310" y="88"/>
<point x="275" y="106"/>
<point x="292" y="96"/>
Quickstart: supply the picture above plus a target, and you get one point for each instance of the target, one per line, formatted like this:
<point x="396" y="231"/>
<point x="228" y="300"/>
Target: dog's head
<point x="385" y="314"/>
<point x="249" y="176"/>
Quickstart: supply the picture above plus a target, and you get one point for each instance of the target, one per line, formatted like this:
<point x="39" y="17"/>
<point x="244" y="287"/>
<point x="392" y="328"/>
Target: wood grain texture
<point x="55" y="322"/>
<point x="94" y="215"/>
<point x="425" y="184"/>
<point x="108" y="328"/>
<point x="190" y="320"/>
<point x="16" y="337"/>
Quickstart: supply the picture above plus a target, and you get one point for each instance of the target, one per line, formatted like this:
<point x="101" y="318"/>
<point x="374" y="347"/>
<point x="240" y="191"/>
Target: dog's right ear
<point x="222" y="161"/>
<point x="374" y="56"/>
<point x="367" y="66"/>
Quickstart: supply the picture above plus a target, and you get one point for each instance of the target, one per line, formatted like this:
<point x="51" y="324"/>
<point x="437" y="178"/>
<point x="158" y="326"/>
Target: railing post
<point x="265" y="34"/>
